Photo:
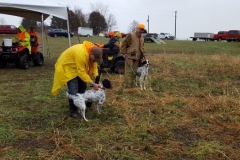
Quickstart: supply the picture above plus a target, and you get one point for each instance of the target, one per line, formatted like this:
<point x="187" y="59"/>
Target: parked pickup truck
<point x="221" y="35"/>
<point x="203" y="35"/>
<point x="166" y="36"/>
<point x="233" y="35"/>
<point x="147" y="36"/>
<point x="8" y="29"/>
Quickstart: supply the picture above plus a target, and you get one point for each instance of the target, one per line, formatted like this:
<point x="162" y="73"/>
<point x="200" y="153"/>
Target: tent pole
<point x="42" y="35"/>
<point x="69" y="37"/>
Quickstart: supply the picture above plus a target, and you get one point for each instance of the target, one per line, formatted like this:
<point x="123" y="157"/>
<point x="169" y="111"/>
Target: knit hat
<point x="141" y="26"/>
<point x="97" y="53"/>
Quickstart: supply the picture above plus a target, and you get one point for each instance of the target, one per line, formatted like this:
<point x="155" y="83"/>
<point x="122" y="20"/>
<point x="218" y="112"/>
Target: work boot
<point x="73" y="112"/>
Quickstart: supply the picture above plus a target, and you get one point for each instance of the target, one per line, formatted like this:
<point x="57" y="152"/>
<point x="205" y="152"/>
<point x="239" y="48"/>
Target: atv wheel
<point x="3" y="63"/>
<point x="119" y="67"/>
<point x="38" y="59"/>
<point x="24" y="62"/>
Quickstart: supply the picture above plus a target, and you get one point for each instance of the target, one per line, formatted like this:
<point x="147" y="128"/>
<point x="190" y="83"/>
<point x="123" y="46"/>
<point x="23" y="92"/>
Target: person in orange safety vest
<point x="23" y="38"/>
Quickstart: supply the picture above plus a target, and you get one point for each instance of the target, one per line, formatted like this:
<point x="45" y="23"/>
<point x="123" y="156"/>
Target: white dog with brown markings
<point x="142" y="72"/>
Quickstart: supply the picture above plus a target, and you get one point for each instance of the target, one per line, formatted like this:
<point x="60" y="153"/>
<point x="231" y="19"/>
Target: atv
<point x="20" y="55"/>
<point x="115" y="62"/>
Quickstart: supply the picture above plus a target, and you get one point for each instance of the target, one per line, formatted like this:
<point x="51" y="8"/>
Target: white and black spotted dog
<point x="142" y="72"/>
<point x="96" y="97"/>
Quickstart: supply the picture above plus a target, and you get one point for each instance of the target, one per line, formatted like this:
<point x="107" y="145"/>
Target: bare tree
<point x="99" y="7"/>
<point x="133" y="26"/>
<point x="82" y="18"/>
<point x="111" y="22"/>
<point x="2" y="21"/>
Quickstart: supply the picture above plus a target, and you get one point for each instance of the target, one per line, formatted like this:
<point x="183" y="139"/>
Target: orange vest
<point x="35" y="36"/>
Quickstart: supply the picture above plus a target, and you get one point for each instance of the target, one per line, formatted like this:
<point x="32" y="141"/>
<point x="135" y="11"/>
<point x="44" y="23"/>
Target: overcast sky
<point x="192" y="15"/>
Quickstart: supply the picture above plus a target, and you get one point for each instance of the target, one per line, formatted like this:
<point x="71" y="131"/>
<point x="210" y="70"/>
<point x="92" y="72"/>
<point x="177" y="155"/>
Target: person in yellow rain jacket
<point x="23" y="38"/>
<point x="75" y="68"/>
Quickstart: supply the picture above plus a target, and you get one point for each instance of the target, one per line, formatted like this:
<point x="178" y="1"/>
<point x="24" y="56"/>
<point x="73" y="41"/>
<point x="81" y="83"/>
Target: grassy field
<point x="190" y="110"/>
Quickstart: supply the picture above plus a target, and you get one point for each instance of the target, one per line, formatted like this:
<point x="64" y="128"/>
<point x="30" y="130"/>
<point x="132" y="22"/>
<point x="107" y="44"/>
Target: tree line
<point x="98" y="19"/>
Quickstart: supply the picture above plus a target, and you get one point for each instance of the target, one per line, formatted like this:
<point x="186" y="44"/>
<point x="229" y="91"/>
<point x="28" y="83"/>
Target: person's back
<point x="34" y="36"/>
<point x="113" y="44"/>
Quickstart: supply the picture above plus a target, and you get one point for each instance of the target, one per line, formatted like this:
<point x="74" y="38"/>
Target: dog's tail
<point x="69" y="96"/>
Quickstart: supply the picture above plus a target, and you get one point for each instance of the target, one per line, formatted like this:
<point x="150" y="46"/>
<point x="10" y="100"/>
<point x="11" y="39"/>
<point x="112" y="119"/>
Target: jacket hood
<point x="21" y="28"/>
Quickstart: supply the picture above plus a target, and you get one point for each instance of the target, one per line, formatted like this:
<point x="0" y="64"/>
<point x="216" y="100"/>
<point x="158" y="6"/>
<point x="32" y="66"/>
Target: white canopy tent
<point x="35" y="10"/>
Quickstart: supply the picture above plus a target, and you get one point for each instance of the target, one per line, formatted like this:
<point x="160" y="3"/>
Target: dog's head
<point x="107" y="84"/>
<point x="145" y="63"/>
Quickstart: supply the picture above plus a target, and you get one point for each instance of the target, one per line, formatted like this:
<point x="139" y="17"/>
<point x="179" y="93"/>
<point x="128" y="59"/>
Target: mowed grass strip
<point x="190" y="109"/>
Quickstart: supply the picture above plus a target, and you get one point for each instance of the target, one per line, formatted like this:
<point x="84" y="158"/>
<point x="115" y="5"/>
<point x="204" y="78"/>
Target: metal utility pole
<point x="175" y="25"/>
<point x="148" y="23"/>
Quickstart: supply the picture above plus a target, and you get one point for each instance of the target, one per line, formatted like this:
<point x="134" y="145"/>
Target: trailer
<point x="85" y="31"/>
<point x="203" y="35"/>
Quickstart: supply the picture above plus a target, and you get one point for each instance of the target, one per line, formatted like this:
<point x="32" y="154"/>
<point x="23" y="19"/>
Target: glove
<point x="98" y="44"/>
<point x="101" y="46"/>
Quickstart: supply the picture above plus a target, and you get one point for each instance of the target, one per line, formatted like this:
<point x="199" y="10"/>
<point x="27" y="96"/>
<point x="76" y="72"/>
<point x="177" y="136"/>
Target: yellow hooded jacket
<point x="74" y="62"/>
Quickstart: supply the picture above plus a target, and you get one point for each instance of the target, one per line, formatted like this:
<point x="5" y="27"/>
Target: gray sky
<point x="192" y="15"/>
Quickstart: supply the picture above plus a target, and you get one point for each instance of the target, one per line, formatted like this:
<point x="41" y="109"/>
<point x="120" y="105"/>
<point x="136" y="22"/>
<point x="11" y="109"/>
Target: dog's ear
<point x="144" y="62"/>
<point x="106" y="84"/>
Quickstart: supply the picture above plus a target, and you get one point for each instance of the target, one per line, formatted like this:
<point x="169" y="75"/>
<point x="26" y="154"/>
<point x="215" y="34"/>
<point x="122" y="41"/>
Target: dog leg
<point x="144" y="82"/>
<point x="99" y="108"/>
<point x="141" y="82"/>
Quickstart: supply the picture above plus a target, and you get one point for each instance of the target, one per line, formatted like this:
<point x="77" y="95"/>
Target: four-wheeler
<point x="115" y="62"/>
<point x="20" y="55"/>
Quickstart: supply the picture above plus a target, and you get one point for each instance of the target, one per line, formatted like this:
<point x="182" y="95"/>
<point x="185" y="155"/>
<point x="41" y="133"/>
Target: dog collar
<point x="102" y="88"/>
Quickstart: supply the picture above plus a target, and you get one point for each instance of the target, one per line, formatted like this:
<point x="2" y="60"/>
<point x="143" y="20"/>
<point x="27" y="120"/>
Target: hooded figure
<point x="23" y="38"/>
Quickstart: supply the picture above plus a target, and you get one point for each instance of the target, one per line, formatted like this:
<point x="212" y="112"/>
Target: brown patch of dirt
<point x="185" y="134"/>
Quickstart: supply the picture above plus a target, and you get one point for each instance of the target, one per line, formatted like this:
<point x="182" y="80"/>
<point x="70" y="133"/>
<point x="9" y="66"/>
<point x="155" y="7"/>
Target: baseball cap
<point x="97" y="53"/>
<point x="141" y="26"/>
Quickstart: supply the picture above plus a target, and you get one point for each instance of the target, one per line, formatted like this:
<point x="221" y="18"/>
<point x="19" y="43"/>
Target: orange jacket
<point x="35" y="35"/>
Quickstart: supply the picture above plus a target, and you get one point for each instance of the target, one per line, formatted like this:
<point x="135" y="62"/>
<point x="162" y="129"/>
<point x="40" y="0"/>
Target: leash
<point x="127" y="60"/>
<point x="102" y="88"/>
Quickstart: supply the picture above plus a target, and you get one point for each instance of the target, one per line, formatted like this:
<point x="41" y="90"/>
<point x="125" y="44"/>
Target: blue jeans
<point x="76" y="85"/>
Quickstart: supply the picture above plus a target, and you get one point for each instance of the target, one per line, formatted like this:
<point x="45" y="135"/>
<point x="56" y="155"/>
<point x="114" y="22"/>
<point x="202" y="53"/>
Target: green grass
<point x="190" y="109"/>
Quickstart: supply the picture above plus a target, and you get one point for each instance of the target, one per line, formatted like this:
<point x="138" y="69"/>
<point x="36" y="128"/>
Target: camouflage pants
<point x="129" y="76"/>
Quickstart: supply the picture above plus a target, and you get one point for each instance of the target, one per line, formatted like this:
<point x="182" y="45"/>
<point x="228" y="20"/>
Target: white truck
<point x="85" y="31"/>
<point x="203" y="35"/>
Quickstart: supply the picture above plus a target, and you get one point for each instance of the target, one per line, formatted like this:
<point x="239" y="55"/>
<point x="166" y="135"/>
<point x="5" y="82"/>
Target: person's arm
<point x="108" y="45"/>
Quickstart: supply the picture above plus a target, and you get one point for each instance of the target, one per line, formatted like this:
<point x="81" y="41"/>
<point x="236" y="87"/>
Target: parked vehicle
<point x="166" y="36"/>
<point x="149" y="36"/>
<point x="233" y="35"/>
<point x="59" y="33"/>
<point x="203" y="35"/>
<point x="221" y="35"/>
<point x="8" y="29"/>
<point x="85" y="31"/>
<point x="115" y="62"/>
